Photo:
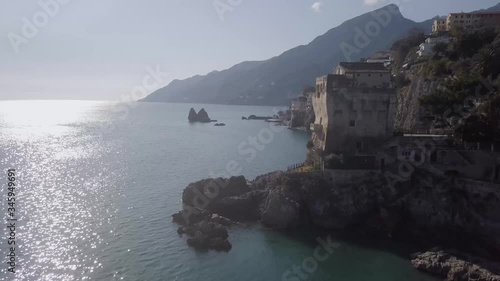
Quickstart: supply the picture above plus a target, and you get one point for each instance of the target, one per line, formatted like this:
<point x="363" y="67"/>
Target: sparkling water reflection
<point x="97" y="188"/>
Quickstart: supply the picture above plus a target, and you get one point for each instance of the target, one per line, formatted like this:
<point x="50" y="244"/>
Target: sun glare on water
<point x="45" y="117"/>
<point x="42" y="113"/>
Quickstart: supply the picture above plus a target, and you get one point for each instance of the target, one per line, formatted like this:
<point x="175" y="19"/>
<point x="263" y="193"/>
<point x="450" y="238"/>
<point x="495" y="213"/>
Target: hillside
<point x="274" y="81"/>
<point x="428" y="85"/>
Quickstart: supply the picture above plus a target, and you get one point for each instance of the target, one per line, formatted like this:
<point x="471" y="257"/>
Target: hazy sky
<point x="100" y="49"/>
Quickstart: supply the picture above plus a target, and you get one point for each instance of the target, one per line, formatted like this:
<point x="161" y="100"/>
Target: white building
<point x="427" y="47"/>
<point x="384" y="57"/>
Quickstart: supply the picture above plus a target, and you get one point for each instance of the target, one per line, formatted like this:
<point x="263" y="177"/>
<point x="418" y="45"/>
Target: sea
<point x="96" y="184"/>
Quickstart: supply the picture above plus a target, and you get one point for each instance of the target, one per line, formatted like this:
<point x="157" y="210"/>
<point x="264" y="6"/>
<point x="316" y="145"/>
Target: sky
<point x="105" y="49"/>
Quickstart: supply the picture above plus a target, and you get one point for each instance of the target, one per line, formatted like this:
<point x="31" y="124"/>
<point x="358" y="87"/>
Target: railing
<point x="295" y="167"/>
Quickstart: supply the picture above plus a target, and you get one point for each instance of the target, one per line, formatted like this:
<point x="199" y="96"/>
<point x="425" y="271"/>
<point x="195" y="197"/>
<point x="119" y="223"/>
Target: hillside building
<point x="427" y="47"/>
<point x="368" y="75"/>
<point x="466" y="21"/>
<point x="469" y="21"/>
<point x="384" y="57"/>
<point x="439" y="26"/>
<point x="354" y="109"/>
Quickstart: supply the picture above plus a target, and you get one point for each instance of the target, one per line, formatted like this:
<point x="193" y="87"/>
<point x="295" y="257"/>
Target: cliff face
<point x="426" y="208"/>
<point x="302" y="119"/>
<point x="410" y="115"/>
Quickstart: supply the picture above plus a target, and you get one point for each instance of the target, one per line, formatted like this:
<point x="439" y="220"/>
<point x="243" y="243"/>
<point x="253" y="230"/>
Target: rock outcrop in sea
<point x="453" y="268"/>
<point x="426" y="209"/>
<point x="201" y="116"/>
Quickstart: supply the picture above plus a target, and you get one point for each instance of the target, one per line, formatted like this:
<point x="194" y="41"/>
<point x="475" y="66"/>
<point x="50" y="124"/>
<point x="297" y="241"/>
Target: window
<point x="406" y="153"/>
<point x="352" y="123"/>
<point x="369" y="75"/>
<point x="359" y="145"/>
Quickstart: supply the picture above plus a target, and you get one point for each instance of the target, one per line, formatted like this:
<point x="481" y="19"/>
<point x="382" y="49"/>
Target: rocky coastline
<point x="425" y="209"/>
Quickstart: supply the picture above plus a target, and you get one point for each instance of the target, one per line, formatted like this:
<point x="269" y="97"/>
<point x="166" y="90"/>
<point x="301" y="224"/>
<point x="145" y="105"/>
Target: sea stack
<point x="201" y="117"/>
<point x="192" y="115"/>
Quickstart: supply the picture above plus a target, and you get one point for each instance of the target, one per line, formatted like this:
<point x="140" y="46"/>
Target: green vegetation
<point x="470" y="68"/>
<point x="437" y="68"/>
<point x="403" y="47"/>
<point x="484" y="125"/>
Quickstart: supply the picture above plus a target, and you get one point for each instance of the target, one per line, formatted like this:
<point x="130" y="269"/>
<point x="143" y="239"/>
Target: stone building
<point x="370" y="75"/>
<point x="355" y="109"/>
<point x="442" y="154"/>
<point x="439" y="26"/>
<point x="471" y="21"/>
<point x="384" y="57"/>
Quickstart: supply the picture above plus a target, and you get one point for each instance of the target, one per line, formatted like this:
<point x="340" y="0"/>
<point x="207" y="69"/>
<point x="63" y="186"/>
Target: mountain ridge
<point x="274" y="81"/>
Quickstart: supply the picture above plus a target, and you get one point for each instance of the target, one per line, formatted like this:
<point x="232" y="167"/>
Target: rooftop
<point x="476" y="13"/>
<point x="363" y="67"/>
<point x="381" y="55"/>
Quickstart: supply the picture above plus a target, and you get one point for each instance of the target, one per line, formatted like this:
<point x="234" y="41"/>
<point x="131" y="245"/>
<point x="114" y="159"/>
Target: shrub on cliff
<point x="467" y="44"/>
<point x="437" y="68"/>
<point x="476" y="77"/>
<point x="403" y="47"/>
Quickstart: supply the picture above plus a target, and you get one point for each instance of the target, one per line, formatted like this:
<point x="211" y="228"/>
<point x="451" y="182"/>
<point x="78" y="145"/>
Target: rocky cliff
<point x="410" y="114"/>
<point x="426" y="209"/>
<point x="455" y="268"/>
<point x="302" y="119"/>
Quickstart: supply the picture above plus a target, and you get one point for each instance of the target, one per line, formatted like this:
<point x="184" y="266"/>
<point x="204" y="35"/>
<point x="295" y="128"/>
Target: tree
<point x="441" y="49"/>
<point x="477" y="127"/>
<point x="402" y="47"/>
<point x="466" y="45"/>
<point x="487" y="61"/>
<point x="455" y="101"/>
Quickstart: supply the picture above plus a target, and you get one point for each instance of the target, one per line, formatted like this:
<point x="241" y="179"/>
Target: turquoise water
<point x="97" y="187"/>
